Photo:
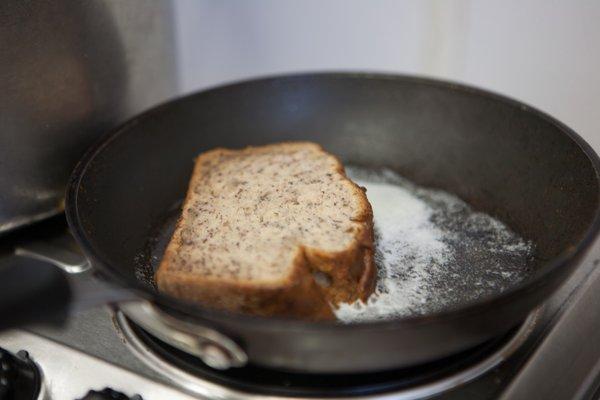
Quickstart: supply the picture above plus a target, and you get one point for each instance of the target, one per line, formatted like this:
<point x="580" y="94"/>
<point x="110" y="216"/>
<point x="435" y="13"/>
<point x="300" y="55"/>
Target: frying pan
<point x="499" y="155"/>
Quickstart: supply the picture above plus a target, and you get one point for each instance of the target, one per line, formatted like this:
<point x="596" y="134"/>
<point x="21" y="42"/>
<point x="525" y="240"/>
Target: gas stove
<point x="100" y="354"/>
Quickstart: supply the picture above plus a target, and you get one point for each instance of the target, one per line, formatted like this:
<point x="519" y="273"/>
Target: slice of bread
<point x="271" y="230"/>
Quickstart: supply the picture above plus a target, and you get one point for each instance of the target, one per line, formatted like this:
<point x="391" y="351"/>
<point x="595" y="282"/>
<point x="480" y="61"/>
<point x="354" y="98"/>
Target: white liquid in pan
<point x="433" y="251"/>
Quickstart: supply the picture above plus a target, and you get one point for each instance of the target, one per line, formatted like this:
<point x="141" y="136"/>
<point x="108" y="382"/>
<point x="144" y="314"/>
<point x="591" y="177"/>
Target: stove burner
<point x="20" y="377"/>
<point x="252" y="381"/>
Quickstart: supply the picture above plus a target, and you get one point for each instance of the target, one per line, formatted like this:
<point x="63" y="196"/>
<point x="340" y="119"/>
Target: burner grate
<point x="250" y="381"/>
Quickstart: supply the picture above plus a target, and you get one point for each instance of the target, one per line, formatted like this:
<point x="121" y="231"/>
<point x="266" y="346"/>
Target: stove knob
<point x="109" y="394"/>
<point x="20" y="378"/>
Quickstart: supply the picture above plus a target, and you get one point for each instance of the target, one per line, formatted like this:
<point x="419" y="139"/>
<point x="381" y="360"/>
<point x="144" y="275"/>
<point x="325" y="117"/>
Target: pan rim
<point x="187" y="310"/>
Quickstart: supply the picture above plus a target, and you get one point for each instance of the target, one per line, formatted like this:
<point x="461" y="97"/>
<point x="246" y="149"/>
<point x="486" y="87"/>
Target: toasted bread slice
<point x="271" y="230"/>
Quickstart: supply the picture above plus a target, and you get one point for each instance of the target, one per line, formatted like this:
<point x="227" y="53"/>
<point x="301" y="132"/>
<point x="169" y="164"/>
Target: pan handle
<point x="88" y="291"/>
<point x="61" y="251"/>
<point x="34" y="290"/>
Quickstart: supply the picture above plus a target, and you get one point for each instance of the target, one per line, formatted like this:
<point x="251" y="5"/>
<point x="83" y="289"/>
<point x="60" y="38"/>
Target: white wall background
<point x="543" y="52"/>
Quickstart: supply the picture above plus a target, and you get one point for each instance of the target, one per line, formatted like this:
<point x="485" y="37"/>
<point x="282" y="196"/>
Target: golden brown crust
<point x="351" y="272"/>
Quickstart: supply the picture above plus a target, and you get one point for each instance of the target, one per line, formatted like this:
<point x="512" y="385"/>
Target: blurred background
<point x="545" y="53"/>
<point x="73" y="70"/>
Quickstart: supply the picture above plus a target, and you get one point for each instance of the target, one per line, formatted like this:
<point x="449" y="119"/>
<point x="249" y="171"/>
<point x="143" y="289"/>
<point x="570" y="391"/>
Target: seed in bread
<point x="271" y="230"/>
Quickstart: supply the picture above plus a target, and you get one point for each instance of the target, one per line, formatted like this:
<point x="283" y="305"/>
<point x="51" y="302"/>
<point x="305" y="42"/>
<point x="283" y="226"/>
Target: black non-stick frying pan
<point x="501" y="156"/>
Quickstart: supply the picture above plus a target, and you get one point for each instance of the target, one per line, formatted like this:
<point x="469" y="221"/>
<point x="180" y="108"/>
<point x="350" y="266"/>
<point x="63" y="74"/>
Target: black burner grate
<point x="260" y="380"/>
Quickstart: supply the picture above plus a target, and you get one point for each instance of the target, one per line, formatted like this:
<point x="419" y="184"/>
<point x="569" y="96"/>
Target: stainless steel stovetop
<point x="555" y="354"/>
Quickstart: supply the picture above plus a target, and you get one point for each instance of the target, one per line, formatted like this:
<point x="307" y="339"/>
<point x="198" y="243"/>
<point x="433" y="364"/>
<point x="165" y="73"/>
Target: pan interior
<point x="432" y="251"/>
<point x="500" y="157"/>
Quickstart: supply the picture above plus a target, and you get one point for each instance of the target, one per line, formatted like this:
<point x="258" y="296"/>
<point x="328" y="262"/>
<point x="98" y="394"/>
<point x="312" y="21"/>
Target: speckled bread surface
<point x="275" y="230"/>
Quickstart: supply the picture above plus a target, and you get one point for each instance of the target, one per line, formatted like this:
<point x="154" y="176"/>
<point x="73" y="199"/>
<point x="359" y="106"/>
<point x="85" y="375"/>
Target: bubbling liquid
<point x="433" y="251"/>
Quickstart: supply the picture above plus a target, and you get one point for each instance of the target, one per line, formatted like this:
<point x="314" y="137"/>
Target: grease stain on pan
<point x="433" y="251"/>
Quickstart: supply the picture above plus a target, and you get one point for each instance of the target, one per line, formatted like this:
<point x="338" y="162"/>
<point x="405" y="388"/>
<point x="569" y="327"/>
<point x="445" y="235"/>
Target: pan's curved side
<point x="367" y="349"/>
<point x="499" y="155"/>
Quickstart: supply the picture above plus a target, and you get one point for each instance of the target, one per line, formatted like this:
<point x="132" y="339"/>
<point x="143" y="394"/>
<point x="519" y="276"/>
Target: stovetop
<point x="554" y="355"/>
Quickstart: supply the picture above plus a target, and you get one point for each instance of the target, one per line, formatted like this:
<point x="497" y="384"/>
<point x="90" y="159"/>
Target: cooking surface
<point x="95" y="334"/>
<point x="456" y="254"/>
